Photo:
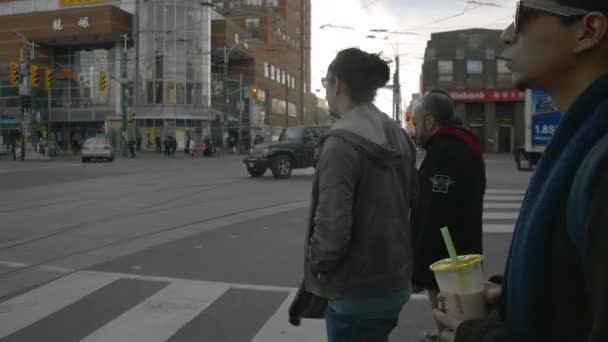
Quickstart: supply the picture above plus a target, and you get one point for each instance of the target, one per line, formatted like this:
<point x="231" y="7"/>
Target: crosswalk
<point x="501" y="209"/>
<point x="111" y="307"/>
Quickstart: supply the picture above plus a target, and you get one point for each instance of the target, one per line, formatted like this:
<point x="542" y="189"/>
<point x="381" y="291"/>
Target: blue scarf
<point x="584" y="124"/>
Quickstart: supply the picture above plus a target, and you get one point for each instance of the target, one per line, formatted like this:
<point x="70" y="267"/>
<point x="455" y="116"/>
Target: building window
<point x="236" y="4"/>
<point x="460" y="53"/>
<point x="502" y="67"/>
<point x="266" y="70"/>
<point x="253" y="2"/>
<point x="446" y="71"/>
<point x="252" y="23"/>
<point x="283" y="78"/>
<point x="219" y="4"/>
<point x="430" y="54"/>
<point x="490" y="54"/>
<point x="277" y="75"/>
<point x="272" y="72"/>
<point x="272" y="3"/>
<point x="474" y="67"/>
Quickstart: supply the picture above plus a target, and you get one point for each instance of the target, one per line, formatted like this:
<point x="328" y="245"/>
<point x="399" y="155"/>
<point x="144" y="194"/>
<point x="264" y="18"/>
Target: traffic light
<point x="48" y="79"/>
<point x="408" y="117"/>
<point x="102" y="81"/>
<point x="35" y="74"/>
<point x="255" y="94"/>
<point x="14" y="74"/>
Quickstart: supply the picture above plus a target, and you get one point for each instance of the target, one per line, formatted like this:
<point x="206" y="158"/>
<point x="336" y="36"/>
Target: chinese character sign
<point x="83" y="23"/>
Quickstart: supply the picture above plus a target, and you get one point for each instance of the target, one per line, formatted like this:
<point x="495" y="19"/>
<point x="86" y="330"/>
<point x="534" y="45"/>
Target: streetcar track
<point x="143" y="235"/>
<point x="150" y="208"/>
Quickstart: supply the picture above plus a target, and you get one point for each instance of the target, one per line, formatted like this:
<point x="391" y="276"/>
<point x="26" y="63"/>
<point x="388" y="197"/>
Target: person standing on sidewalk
<point x="452" y="182"/>
<point x="556" y="279"/>
<point x="358" y="253"/>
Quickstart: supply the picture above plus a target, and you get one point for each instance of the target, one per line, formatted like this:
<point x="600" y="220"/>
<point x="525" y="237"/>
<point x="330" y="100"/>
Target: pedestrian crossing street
<point x="110" y="307"/>
<point x="501" y="209"/>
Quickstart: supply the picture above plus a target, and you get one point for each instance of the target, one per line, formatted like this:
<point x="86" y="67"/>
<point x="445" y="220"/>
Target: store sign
<point x="57" y="25"/>
<point x="67" y="3"/>
<point x="488" y="95"/>
<point x="83" y="23"/>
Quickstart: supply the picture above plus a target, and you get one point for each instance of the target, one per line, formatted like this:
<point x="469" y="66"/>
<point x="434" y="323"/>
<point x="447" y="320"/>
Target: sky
<point x="419" y="18"/>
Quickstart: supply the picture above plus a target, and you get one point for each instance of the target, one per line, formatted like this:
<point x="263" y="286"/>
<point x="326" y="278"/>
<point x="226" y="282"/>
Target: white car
<point x="97" y="148"/>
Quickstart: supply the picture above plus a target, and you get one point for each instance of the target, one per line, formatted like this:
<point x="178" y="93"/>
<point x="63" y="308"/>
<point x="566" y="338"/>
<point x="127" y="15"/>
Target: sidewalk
<point x="68" y="156"/>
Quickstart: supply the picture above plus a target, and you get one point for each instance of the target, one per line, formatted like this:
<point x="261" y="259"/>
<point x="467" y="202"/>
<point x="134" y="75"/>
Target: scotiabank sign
<point x="488" y="95"/>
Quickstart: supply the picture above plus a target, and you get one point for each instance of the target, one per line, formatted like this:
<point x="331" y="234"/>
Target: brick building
<point x="273" y="55"/>
<point x="467" y="63"/>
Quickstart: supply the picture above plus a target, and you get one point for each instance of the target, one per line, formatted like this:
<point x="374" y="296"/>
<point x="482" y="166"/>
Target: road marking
<point x="502" y="206"/>
<point x="500" y="215"/>
<point x="503" y="198"/>
<point x="23" y="310"/>
<point x="504" y="192"/>
<point x="161" y="315"/>
<point x="13" y="264"/>
<point x="3" y="171"/>
<point x="498" y="228"/>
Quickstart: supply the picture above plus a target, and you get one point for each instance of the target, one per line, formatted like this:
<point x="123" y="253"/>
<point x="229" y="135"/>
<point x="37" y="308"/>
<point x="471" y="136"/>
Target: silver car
<point x="97" y="148"/>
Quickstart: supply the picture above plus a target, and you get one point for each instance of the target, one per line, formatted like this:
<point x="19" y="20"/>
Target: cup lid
<point x="464" y="261"/>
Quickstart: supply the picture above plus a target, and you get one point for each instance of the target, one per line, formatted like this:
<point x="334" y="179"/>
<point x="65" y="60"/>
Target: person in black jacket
<point x="556" y="277"/>
<point x="452" y="184"/>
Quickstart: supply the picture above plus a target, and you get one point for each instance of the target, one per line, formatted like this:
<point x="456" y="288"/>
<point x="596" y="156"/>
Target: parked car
<point x="295" y="149"/>
<point x="97" y="148"/>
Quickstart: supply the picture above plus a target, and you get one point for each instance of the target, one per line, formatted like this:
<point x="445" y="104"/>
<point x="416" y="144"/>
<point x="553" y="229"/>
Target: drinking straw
<point x="447" y="238"/>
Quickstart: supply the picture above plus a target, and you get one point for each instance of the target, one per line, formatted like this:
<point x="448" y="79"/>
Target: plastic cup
<point x="463" y="286"/>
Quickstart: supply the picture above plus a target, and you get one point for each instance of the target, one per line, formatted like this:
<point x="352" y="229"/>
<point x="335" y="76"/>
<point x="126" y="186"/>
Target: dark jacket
<point x="452" y="183"/>
<point x="358" y="243"/>
<point x="567" y="297"/>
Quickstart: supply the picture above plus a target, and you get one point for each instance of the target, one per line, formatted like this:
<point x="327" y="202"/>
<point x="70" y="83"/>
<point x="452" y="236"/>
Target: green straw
<point x="449" y="244"/>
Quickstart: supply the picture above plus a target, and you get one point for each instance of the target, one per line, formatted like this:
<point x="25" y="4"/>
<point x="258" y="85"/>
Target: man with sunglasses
<point x="555" y="286"/>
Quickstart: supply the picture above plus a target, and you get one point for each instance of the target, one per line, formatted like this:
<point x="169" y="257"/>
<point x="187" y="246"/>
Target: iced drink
<point x="462" y="284"/>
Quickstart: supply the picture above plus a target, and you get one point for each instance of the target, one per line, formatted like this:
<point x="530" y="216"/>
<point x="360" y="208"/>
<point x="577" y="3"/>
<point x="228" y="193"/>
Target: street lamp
<point x="227" y="53"/>
<point x="396" y="85"/>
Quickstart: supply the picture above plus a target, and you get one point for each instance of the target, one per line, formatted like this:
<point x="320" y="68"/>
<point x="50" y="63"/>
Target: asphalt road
<point x="157" y="249"/>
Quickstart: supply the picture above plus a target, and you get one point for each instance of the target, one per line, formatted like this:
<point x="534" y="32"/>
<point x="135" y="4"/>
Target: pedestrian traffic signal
<point x="35" y="74"/>
<point x="255" y="93"/>
<point x="14" y="74"/>
<point x="48" y="79"/>
<point x="102" y="81"/>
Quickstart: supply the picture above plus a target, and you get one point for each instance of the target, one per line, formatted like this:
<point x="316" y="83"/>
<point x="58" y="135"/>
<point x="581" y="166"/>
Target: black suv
<point x="294" y="150"/>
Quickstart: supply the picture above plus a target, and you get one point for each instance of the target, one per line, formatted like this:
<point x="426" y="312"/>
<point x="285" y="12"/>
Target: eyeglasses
<point x="325" y="81"/>
<point x="547" y="6"/>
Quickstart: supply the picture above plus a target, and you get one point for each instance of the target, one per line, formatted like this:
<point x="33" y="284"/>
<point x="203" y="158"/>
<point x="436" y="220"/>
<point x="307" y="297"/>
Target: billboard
<point x="544" y="117"/>
<point x="67" y="3"/>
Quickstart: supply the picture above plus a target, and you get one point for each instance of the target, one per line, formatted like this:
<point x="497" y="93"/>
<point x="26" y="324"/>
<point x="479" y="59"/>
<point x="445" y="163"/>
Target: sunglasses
<point x="325" y="81"/>
<point x="547" y="6"/>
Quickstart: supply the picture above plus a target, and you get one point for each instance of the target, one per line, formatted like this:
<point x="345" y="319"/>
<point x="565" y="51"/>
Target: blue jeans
<point x="359" y="327"/>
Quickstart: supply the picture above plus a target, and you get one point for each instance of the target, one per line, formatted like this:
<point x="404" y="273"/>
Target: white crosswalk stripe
<point x="501" y="210"/>
<point x="157" y="318"/>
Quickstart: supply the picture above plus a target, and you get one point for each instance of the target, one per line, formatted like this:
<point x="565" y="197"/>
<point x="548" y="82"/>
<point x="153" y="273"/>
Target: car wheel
<point x="85" y="160"/>
<point x="111" y="159"/>
<point x="282" y="166"/>
<point x="256" y="171"/>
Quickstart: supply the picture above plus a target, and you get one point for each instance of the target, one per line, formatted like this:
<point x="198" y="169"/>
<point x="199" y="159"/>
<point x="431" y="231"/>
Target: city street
<point x="162" y="249"/>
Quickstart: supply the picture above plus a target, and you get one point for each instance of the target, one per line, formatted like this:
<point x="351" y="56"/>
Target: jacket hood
<point x="462" y="134"/>
<point x="374" y="133"/>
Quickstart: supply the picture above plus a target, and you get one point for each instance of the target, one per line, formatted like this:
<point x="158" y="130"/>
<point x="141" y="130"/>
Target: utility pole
<point x="286" y="104"/>
<point x="241" y="110"/>
<point x="397" y="93"/>
<point x="23" y="93"/>
<point x="225" y="116"/>
<point x="123" y="98"/>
